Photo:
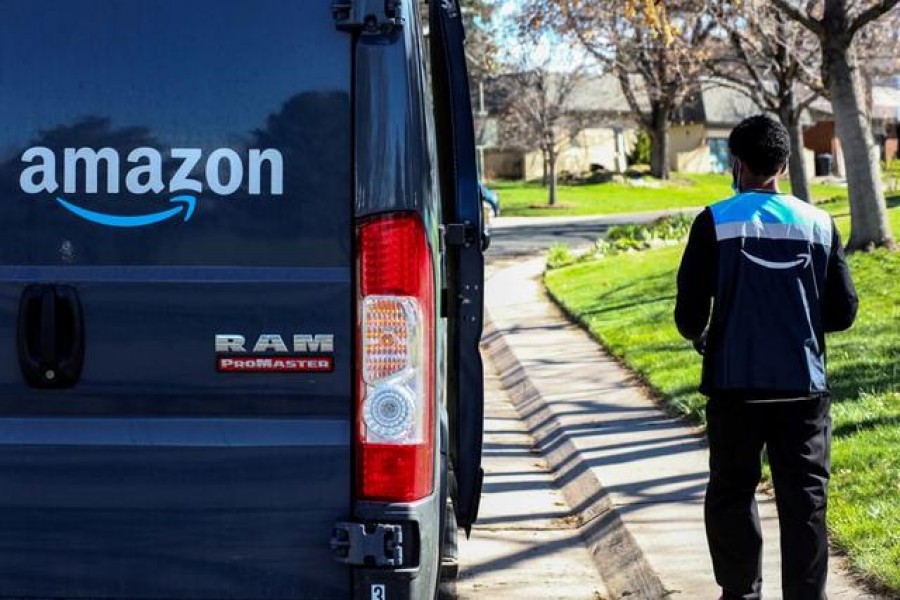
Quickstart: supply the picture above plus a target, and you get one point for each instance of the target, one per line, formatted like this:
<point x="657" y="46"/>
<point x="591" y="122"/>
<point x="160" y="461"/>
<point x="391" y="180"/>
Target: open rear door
<point x="465" y="261"/>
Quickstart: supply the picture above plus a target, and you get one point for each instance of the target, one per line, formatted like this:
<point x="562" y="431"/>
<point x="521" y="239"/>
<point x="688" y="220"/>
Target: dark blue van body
<point x="182" y="181"/>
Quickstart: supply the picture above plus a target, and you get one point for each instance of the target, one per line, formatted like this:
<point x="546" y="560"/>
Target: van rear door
<point x="465" y="260"/>
<point x="176" y="299"/>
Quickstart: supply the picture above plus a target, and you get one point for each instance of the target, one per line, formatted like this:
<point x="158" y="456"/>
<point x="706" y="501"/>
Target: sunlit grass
<point x="683" y="191"/>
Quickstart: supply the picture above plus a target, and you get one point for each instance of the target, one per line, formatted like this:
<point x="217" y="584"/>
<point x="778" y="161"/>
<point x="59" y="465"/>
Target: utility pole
<point x="482" y="115"/>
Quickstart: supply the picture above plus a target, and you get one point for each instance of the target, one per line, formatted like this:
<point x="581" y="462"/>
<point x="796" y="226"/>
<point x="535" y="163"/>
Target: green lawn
<point x="684" y="191"/>
<point x="626" y="301"/>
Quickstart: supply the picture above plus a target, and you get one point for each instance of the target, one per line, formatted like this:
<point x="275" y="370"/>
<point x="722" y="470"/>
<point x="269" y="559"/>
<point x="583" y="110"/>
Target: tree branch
<point x="764" y="101"/>
<point x="746" y="61"/>
<point x="807" y="102"/>
<point x="807" y="21"/>
<point x="631" y="98"/>
<point x="870" y="14"/>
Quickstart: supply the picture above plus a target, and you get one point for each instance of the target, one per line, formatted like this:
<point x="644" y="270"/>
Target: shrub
<point x="560" y="256"/>
<point x="640" y="154"/>
<point x="662" y="232"/>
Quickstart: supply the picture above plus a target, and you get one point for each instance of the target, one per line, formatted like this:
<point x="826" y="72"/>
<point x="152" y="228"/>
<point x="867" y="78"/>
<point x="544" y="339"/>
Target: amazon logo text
<point x="224" y="171"/>
<point x="144" y="172"/>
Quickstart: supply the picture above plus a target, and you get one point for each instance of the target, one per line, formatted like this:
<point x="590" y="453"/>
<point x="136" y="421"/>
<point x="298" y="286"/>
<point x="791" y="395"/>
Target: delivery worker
<point x="771" y="270"/>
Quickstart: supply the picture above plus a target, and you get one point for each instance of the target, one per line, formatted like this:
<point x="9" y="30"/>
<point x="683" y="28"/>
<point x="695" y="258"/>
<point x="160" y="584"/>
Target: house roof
<point x="600" y="93"/>
<point x="716" y="104"/>
<point x="725" y="106"/>
<point x="885" y="102"/>
<point x="604" y="94"/>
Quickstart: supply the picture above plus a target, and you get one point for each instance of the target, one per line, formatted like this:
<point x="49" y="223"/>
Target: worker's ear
<point x="736" y="175"/>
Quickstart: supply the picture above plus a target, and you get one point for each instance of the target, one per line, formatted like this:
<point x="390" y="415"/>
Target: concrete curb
<point x="618" y="557"/>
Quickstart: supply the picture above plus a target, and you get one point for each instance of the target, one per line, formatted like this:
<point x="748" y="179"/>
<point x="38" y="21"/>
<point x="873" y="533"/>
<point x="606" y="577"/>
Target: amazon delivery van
<point x="240" y="299"/>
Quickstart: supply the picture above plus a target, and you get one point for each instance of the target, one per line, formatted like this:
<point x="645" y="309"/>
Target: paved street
<point x="519" y="237"/>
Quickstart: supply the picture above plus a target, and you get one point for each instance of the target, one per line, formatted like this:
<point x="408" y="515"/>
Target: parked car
<point x="490" y="208"/>
<point x="490" y="198"/>
<point x="241" y="311"/>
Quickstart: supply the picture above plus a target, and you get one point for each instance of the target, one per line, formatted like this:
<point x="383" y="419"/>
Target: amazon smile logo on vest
<point x="804" y="258"/>
<point x="145" y="175"/>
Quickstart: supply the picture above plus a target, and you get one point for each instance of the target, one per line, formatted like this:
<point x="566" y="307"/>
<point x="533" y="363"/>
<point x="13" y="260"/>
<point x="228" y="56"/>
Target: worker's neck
<point x="769" y="185"/>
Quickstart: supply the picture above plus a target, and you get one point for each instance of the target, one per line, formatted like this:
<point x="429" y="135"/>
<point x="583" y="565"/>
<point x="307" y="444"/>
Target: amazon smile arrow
<point x="187" y="206"/>
<point x="802" y="259"/>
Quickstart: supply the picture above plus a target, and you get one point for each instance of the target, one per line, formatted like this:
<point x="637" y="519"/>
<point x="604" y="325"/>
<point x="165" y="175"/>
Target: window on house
<point x="719" y="156"/>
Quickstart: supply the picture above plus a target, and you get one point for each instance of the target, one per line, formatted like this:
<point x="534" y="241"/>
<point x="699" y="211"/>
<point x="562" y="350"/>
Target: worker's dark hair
<point x="762" y="143"/>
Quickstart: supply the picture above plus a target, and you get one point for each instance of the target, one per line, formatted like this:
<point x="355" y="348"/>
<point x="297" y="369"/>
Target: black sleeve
<point x="840" y="302"/>
<point x="696" y="278"/>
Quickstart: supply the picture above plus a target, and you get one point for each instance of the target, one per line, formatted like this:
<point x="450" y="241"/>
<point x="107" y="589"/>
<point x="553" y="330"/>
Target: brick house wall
<point x="821" y="139"/>
<point x="892" y="144"/>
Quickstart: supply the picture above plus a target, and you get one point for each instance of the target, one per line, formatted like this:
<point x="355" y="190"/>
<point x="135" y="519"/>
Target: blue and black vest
<point x="766" y="337"/>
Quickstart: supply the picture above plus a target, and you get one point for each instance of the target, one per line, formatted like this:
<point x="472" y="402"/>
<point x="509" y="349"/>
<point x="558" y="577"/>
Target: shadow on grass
<point x="865" y="425"/>
<point x="626" y="306"/>
<point x="847" y="379"/>
<point x="650" y="290"/>
<point x="892" y="201"/>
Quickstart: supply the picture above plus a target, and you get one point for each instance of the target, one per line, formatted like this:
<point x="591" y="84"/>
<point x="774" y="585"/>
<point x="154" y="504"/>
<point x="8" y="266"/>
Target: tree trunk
<point x="659" y="140"/>
<point x="868" y="213"/>
<point x="545" y="173"/>
<point x="551" y="163"/>
<point x="790" y="118"/>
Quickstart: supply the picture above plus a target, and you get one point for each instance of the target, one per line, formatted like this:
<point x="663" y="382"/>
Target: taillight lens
<point x="396" y="360"/>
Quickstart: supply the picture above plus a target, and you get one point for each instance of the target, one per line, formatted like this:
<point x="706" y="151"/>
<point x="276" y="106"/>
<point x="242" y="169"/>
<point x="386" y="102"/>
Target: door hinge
<point x="367" y="17"/>
<point x="460" y="234"/>
<point x="368" y="544"/>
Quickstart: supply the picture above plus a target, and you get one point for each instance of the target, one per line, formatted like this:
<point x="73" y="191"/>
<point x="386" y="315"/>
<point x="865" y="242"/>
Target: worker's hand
<point x="700" y="342"/>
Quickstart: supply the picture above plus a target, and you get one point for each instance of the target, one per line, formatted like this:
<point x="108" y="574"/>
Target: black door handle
<point x="50" y="336"/>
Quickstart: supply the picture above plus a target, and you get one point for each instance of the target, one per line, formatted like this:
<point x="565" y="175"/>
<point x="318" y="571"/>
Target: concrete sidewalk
<point x="635" y="476"/>
<point x="525" y="545"/>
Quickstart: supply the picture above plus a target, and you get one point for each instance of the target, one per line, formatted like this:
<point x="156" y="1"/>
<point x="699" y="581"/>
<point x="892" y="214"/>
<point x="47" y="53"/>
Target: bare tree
<point x="536" y="108"/>
<point x="774" y="61"/>
<point x="656" y="49"/>
<point x="481" y="55"/>
<point x="878" y="49"/>
<point x="838" y="25"/>
<point x="481" y="46"/>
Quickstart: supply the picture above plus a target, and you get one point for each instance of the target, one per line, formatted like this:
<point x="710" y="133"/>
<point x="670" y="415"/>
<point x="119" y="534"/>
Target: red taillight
<point x="395" y="437"/>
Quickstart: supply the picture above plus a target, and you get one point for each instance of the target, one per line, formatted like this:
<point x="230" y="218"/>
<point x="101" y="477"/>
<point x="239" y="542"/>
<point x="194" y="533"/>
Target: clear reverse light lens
<point x="389" y="413"/>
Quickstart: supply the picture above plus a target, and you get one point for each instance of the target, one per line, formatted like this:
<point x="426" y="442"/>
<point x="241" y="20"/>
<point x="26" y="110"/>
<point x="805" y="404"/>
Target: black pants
<point x="797" y="437"/>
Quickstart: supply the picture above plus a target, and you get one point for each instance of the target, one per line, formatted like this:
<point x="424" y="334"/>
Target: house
<point x="698" y="135"/>
<point x="886" y="119"/>
<point x="607" y="137"/>
<point x="603" y="142"/>
<point x="821" y="137"/>
<point x="698" y="139"/>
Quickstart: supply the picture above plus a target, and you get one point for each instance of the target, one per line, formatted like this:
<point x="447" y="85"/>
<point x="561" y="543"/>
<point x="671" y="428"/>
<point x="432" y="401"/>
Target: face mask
<point x="736" y="178"/>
